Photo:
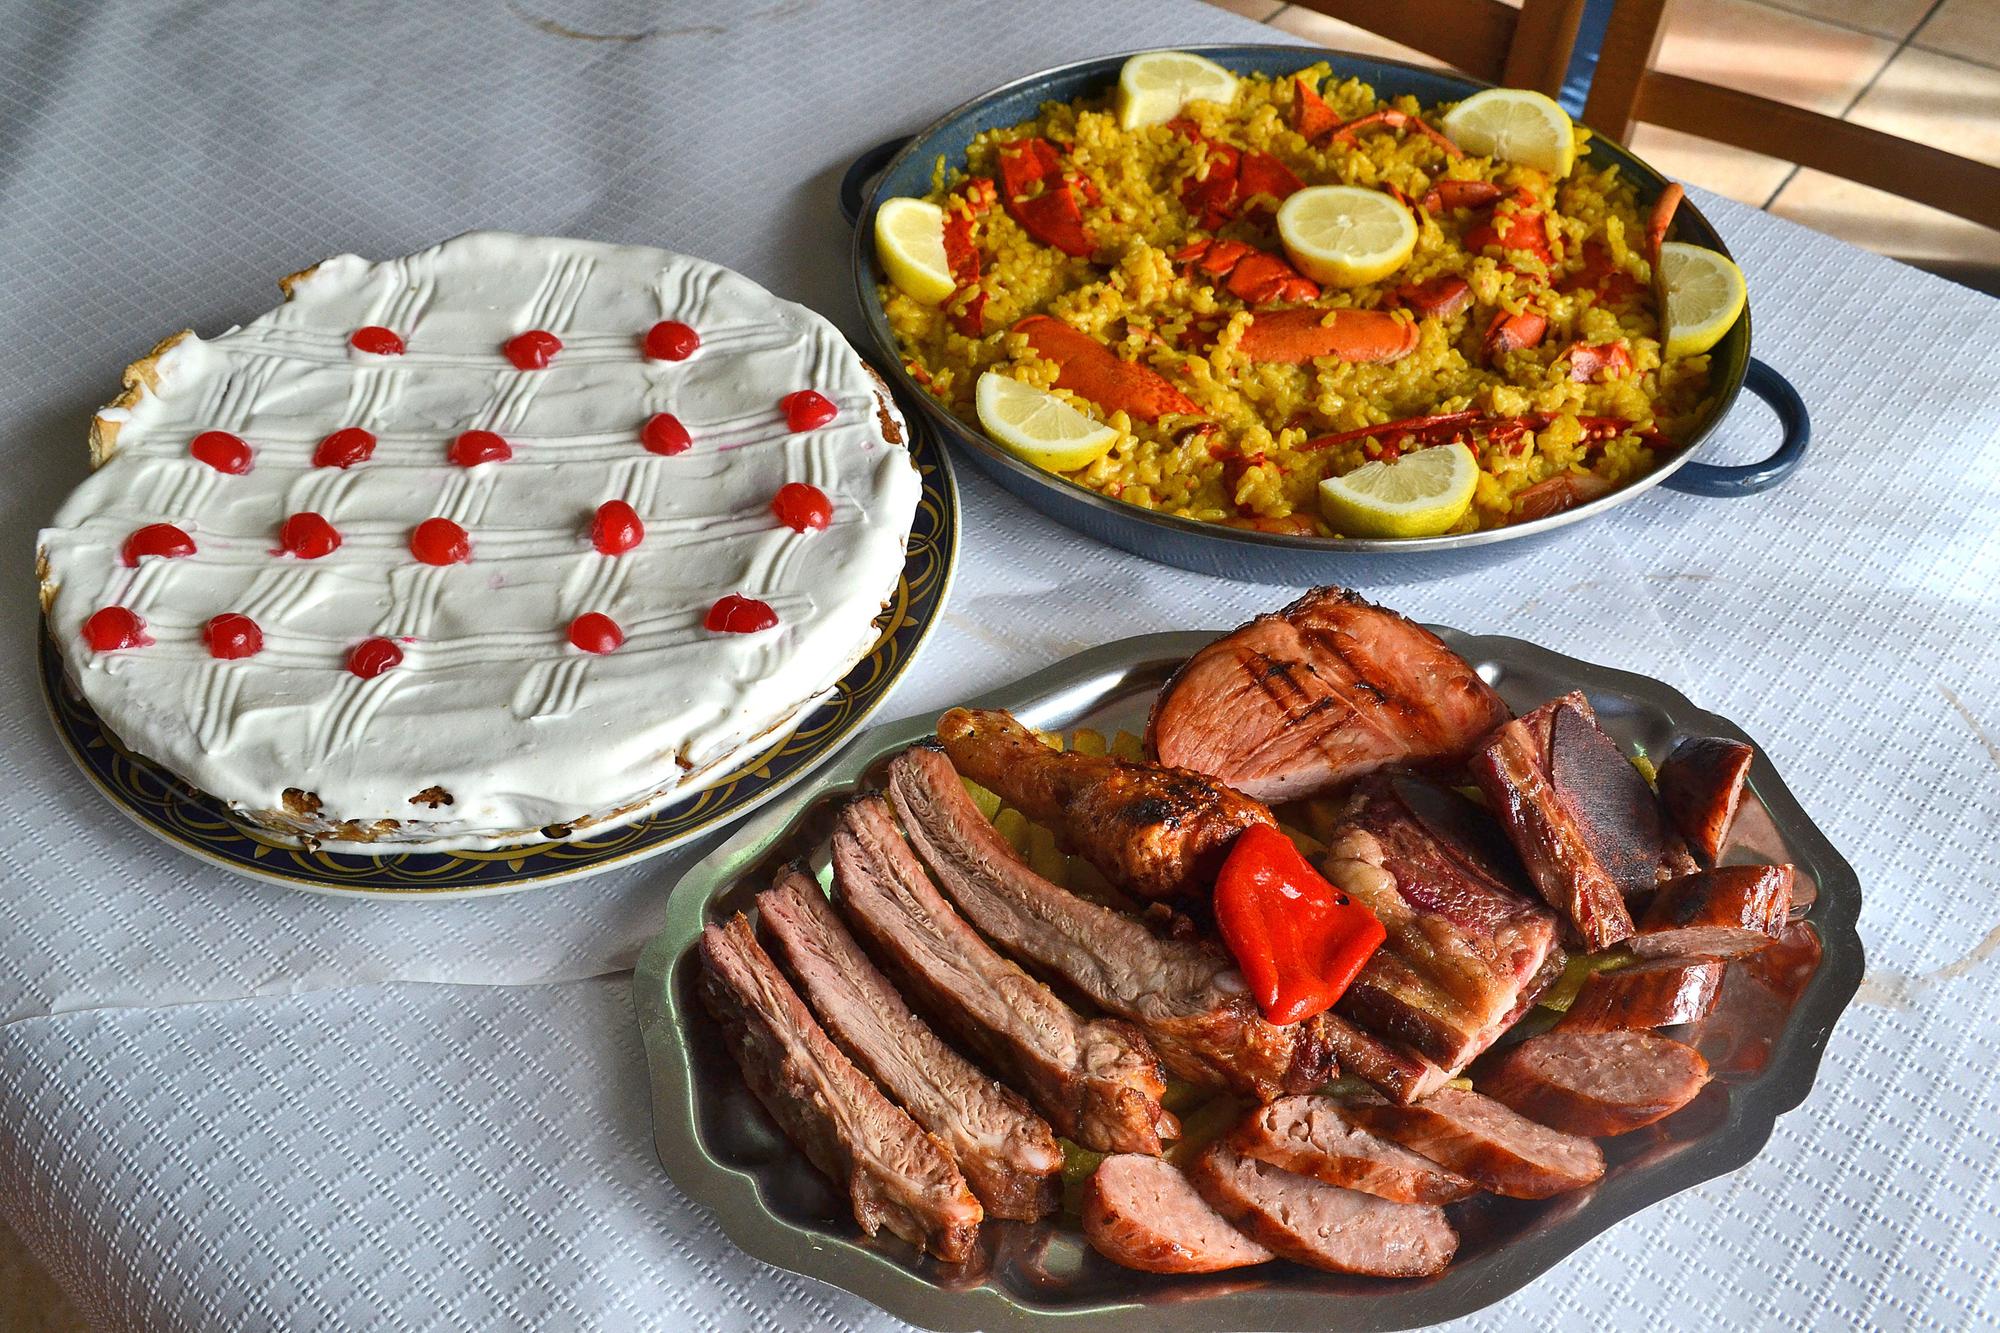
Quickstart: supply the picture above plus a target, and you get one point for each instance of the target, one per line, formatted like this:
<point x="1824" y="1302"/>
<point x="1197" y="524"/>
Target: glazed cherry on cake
<point x="664" y="434"/>
<point x="371" y="657"/>
<point x="808" y="409"/>
<point x="615" y="528"/>
<point x="802" y="508"/>
<point x="113" y="627"/>
<point x="671" y="340"/>
<point x="345" y="447"/>
<point x="533" y="350"/>
<point x="231" y="636"/>
<point x="308" y="536"/>
<point x="162" y="541"/>
<point x="474" y="447"/>
<point x="594" y="632"/>
<point x="376" y="340"/>
<point x="737" y="614"/>
<point x="222" y="451"/>
<point x="439" y="541"/>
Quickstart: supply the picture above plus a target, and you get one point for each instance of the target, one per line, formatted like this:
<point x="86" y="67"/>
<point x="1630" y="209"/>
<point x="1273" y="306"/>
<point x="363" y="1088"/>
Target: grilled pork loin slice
<point x="1487" y="1143"/>
<point x="1097" y="1081"/>
<point x="1466" y="954"/>
<point x="1655" y="994"/>
<point x="1400" y="1073"/>
<point x="1701" y="785"/>
<point x="1159" y="832"/>
<point x="1326" y="690"/>
<point x="1597" y="1083"/>
<point x="1314" y="1136"/>
<point x="1142" y="1212"/>
<point x="1724" y="913"/>
<point x="1008" y="1154"/>
<point x="896" y="1175"/>
<point x="1186" y="995"/>
<point x="1324" y="1226"/>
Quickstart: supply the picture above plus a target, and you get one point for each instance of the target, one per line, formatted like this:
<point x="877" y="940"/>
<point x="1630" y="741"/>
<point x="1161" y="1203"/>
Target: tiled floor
<point x="1921" y="69"/>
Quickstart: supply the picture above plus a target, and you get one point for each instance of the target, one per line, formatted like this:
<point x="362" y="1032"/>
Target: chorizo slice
<point x="1726" y="912"/>
<point x="1141" y="1212"/>
<point x="1478" y="1138"/>
<point x="1701" y="786"/>
<point x="1597" y="1083"/>
<point x="1657" y="993"/>
<point x="1314" y="1136"/>
<point x="1324" y="1226"/>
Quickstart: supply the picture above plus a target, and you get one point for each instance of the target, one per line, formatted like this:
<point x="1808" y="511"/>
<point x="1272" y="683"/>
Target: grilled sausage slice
<point x="1487" y="1143"/>
<point x="1324" y="1226"/>
<point x="1654" y="994"/>
<point x="1314" y="1136"/>
<point x="1141" y="1212"/>
<point x="1701" y="785"/>
<point x="1721" y="913"/>
<point x="1597" y="1083"/>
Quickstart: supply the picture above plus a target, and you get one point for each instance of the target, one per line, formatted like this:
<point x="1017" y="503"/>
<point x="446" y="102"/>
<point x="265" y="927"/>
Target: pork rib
<point x="1400" y="1073"/>
<point x="1008" y="1153"/>
<point x="896" y="1176"/>
<point x="1186" y="995"/>
<point x="1097" y="1081"/>
<point x="1328" y="689"/>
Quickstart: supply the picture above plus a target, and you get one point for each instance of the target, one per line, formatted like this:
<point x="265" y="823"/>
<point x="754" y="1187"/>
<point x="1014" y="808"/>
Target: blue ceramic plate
<point x="163" y="804"/>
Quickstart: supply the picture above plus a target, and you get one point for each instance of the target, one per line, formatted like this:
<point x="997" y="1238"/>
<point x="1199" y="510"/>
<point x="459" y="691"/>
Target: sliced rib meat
<point x="1400" y="1073"/>
<point x="1597" y="1083"/>
<point x="1314" y="1136"/>
<point x="1342" y="1231"/>
<point x="1606" y="795"/>
<point x="1142" y="1212"/>
<point x="1160" y="832"/>
<point x="1008" y="1153"/>
<point x="1654" y="994"/>
<point x="1466" y="953"/>
<point x="1186" y="995"/>
<point x="896" y="1176"/>
<point x="1701" y="785"/>
<point x="1487" y="1143"/>
<point x="1097" y="1081"/>
<point x="1723" y="913"/>
<point x="1330" y="688"/>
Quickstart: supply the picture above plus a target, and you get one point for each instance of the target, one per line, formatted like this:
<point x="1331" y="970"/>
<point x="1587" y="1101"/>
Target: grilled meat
<point x="1159" y="832"/>
<point x="1325" y="691"/>
<point x="1141" y="1212"/>
<point x="896" y="1176"/>
<point x="1484" y="1141"/>
<point x="1701" y="784"/>
<point x="1097" y="1081"/>
<point x="1309" y="1222"/>
<point x="1597" y="1083"/>
<point x="1725" y="912"/>
<point x="1655" y="994"/>
<point x="1007" y="1153"/>
<point x="1314" y="1136"/>
<point x="1186" y="995"/>
<point x="1400" y="1073"/>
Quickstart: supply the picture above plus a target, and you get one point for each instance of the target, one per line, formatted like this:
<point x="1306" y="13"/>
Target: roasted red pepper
<point x="1298" y="939"/>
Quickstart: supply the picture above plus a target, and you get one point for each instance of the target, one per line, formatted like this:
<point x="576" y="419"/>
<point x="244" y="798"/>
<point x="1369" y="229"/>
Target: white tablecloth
<point x="223" y="1106"/>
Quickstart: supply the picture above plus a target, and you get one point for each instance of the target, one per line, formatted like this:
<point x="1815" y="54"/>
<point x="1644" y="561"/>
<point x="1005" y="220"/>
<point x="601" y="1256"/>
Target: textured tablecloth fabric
<point x="226" y="1106"/>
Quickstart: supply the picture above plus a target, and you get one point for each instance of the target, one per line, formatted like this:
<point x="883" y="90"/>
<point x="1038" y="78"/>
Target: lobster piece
<point x="1439" y="429"/>
<point x="1296" y="336"/>
<point x="1590" y="362"/>
<point x="1511" y="333"/>
<point x="1440" y="298"/>
<point x="1601" y="275"/>
<point x="1392" y="121"/>
<point x="1447" y="195"/>
<point x="1233" y="177"/>
<point x="1311" y="116"/>
<point x="1256" y="277"/>
<point x="967" y="307"/>
<point x="1517" y="228"/>
<point x="1042" y="197"/>
<point x="1090" y="369"/>
<point x="1660" y="219"/>
<point x="1565" y="490"/>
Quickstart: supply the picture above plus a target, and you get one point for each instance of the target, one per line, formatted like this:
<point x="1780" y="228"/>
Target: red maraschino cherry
<point x="671" y="340"/>
<point x="479" y="446"/>
<point x="736" y="614"/>
<point x="439" y="541"/>
<point x="617" y="528"/>
<point x="221" y="451"/>
<point x="371" y="657"/>
<point x="801" y="507"/>
<point x="344" y="448"/>
<point x="808" y="410"/>
<point x="308" y="536"/>
<point x="231" y="636"/>
<point x="161" y="540"/>
<point x="663" y="433"/>
<point x="595" y="632"/>
<point x="376" y="340"/>
<point x="532" y="350"/>
<point x="113" y="627"/>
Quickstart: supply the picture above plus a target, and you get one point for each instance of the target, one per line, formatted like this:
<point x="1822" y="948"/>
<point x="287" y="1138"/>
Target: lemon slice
<point x="1038" y="426"/>
<point x="1345" y="235"/>
<point x="1514" y="125"/>
<point x="1705" y="294"/>
<point x="1154" y="86"/>
<point x="1419" y="495"/>
<point x="909" y="240"/>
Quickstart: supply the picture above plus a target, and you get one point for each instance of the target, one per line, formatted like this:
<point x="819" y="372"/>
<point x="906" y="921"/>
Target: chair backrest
<point x="1524" y="47"/>
<point x="1626" y="89"/>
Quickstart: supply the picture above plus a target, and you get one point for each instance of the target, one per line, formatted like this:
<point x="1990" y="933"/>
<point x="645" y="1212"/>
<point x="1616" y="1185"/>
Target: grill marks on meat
<point x="1309" y="1222"/>
<point x="1160" y="832"/>
<point x="1186" y="995"/>
<point x="1597" y="1083"/>
<point x="1605" y="794"/>
<point x="1097" y="1081"/>
<point x="1656" y="994"/>
<point x="1701" y="785"/>
<point x="1007" y="1153"/>
<point x="1489" y="1144"/>
<point x="1465" y="953"/>
<point x="1142" y="1212"/>
<point x="896" y="1176"/>
<point x="1725" y="912"/>
<point x="1314" y="1136"/>
<point x="1327" y="690"/>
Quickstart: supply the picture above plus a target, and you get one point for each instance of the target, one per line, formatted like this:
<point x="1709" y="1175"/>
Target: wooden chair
<point x="1627" y="89"/>
<point x="1524" y="47"/>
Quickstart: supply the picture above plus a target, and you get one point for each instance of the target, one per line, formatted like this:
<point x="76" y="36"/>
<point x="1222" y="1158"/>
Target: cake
<point x="513" y="538"/>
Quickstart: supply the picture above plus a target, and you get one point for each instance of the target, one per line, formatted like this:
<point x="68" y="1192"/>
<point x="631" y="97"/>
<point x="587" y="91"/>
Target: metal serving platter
<point x="904" y="165"/>
<point x="720" y="1148"/>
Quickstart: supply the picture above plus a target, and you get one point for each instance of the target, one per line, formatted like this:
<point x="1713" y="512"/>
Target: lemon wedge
<point x="1705" y="294"/>
<point x="1419" y="495"/>
<point x="1038" y="426"/>
<point x="1154" y="86"/>
<point x="909" y="240"/>
<point x="1345" y="235"/>
<point x="1514" y="125"/>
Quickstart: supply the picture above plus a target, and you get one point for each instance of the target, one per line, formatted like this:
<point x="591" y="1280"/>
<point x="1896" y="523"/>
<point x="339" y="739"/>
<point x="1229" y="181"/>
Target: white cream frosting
<point x="491" y="702"/>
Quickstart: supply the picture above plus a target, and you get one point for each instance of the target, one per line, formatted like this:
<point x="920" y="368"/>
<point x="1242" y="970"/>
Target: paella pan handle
<point x="858" y="172"/>
<point x="1749" y="478"/>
